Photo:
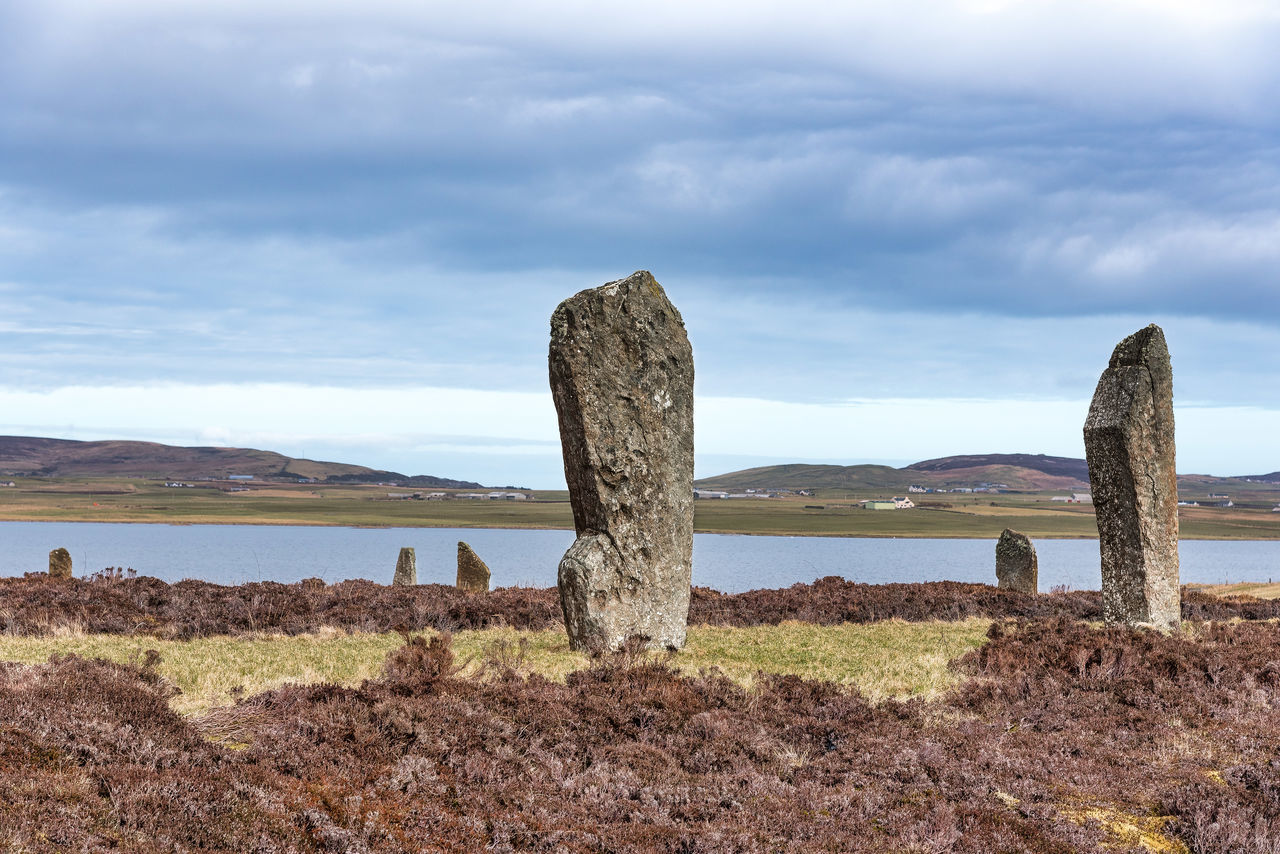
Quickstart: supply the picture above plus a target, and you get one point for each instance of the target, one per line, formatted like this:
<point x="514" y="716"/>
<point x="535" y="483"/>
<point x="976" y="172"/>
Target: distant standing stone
<point x="313" y="583"/>
<point x="473" y="573"/>
<point x="1128" y="441"/>
<point x="59" y="563"/>
<point x="406" y="569"/>
<point x="1016" y="565"/>
<point x="622" y="379"/>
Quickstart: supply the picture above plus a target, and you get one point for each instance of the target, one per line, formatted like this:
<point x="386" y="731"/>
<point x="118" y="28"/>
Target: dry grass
<point x="1258" y="590"/>
<point x="886" y="659"/>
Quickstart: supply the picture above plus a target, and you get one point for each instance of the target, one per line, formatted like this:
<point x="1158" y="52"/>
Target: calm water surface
<point x="232" y="554"/>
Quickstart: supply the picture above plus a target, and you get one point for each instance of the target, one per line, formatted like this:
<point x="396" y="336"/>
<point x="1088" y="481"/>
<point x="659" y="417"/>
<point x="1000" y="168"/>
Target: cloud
<point x="906" y="200"/>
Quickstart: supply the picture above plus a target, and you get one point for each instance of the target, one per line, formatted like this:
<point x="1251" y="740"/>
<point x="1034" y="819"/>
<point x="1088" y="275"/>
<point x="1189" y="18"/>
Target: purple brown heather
<point x="1128" y="440"/>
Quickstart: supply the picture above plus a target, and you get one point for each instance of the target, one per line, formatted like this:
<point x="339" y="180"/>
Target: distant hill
<point x="1028" y="472"/>
<point x="1016" y="471"/>
<point x="26" y="456"/>
<point x="1056" y="466"/>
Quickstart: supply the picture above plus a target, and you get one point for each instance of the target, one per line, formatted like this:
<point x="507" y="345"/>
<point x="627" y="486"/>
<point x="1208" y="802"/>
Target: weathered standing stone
<point x="473" y="573"/>
<point x="59" y="563"/>
<point x="622" y="378"/>
<point x="1016" y="565"/>
<point x="1128" y="441"/>
<point x="406" y="569"/>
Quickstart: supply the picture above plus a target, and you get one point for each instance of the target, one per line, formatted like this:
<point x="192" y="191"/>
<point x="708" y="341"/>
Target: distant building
<point x="7" y="483"/>
<point x="903" y="503"/>
<point x="880" y="504"/>
<point x="709" y="493"/>
<point x="1066" y="498"/>
<point x="962" y="489"/>
<point x="914" y="488"/>
<point x="1275" y="509"/>
<point x="1082" y="497"/>
<point x="239" y="477"/>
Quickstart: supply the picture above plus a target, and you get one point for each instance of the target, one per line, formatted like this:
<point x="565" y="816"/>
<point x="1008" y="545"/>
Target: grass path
<point x="887" y="659"/>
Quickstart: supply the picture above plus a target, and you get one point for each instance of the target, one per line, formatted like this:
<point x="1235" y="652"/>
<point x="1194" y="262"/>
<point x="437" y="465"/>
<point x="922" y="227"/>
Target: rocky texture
<point x="60" y="563"/>
<point x="406" y="569"/>
<point x="622" y="378"/>
<point x="473" y="573"/>
<point x="1128" y="440"/>
<point x="1016" y="565"/>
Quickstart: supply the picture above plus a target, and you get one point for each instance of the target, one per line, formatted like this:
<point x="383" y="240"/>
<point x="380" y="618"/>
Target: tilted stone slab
<point x="473" y="573"/>
<point x="622" y="379"/>
<point x="1016" y="564"/>
<point x="1129" y="444"/>
<point x="406" y="569"/>
<point x="60" y="563"/>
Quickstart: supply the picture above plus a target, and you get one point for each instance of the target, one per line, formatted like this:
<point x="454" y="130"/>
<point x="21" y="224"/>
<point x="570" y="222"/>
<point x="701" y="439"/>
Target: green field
<point x="829" y="513"/>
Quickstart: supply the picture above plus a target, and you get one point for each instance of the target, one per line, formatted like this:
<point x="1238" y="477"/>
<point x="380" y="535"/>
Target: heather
<point x="105" y="603"/>
<point x="1059" y="737"/>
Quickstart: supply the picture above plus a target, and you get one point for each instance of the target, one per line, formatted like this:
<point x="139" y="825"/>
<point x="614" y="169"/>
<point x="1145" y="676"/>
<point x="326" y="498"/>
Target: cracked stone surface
<point x="1129" y="444"/>
<point x="59" y="563"/>
<point x="1016" y="564"/>
<point x="622" y="379"/>
<point x="473" y="573"/>
<point x="406" y="569"/>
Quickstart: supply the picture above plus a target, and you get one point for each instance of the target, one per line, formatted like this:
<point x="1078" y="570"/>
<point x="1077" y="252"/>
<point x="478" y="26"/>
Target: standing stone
<point x="59" y="563"/>
<point x="406" y="569"/>
<point x="1128" y="440"/>
<point x="622" y="378"/>
<point x="473" y="573"/>
<point x="1016" y="565"/>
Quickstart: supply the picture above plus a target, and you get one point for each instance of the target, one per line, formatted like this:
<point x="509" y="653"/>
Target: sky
<point x="895" y="230"/>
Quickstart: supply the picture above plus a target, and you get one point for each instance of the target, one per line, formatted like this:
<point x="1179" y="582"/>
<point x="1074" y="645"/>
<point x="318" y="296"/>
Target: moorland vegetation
<point x="1053" y="735"/>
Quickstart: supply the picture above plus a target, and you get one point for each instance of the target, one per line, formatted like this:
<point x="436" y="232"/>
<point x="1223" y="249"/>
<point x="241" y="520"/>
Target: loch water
<point x="233" y="554"/>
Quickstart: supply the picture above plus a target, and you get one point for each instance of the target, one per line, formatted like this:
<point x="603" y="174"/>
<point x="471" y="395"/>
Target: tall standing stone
<point x="406" y="569"/>
<point x="622" y="378"/>
<point x="473" y="573"/>
<point x="1016" y="565"/>
<point x="1128" y="440"/>
<point x="59" y="563"/>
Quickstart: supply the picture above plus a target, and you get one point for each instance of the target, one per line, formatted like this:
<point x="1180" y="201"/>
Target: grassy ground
<point x="1259" y="590"/>
<point x="888" y="659"/>
<point x="831" y="513"/>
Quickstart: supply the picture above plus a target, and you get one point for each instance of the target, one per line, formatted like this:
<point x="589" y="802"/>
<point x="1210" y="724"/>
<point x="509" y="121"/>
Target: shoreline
<point x="715" y="531"/>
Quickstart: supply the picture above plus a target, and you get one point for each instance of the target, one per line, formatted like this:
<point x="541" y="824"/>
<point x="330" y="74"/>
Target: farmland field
<point x="828" y="513"/>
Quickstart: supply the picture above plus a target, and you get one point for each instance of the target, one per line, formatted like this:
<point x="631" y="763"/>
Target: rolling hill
<point x="1016" y="471"/>
<point x="1022" y="472"/>
<point x="27" y="456"/>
